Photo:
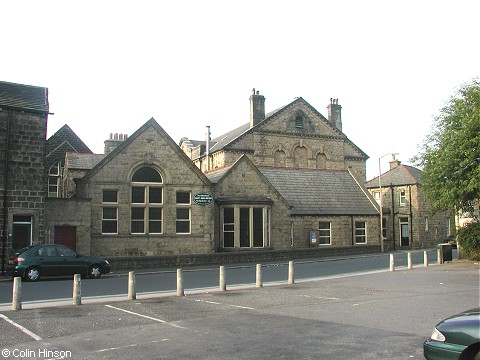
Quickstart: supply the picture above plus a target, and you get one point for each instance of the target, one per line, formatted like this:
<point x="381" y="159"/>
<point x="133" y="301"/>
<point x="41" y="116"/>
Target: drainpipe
<point x="353" y="230"/>
<point x="393" y="216"/>
<point x="207" y="150"/>
<point x="411" y="216"/>
<point x="5" y="179"/>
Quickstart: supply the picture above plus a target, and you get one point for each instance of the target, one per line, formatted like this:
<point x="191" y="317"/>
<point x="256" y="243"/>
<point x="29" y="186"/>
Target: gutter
<point x="5" y="179"/>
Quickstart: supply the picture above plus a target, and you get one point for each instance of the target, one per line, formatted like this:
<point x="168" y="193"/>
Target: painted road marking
<point x="217" y="303"/>
<point x="18" y="326"/>
<point x="146" y="317"/>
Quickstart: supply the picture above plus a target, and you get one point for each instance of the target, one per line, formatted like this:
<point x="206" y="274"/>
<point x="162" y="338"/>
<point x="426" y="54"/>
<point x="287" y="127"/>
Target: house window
<point x="146" y="202"/>
<point x="360" y="232"/>
<point x="376" y="196"/>
<point x="109" y="212"/>
<point x="21" y="231"/>
<point x="299" y="122"/>
<point x="228" y="227"/>
<point x="403" y="197"/>
<point x="245" y="226"/>
<point x="183" y="212"/>
<point x="325" y="233"/>
<point x="384" y="227"/>
<point x="54" y="180"/>
<point x="426" y="223"/>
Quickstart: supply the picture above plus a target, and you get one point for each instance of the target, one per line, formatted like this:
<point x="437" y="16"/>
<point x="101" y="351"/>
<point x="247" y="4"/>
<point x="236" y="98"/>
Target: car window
<point x="65" y="251"/>
<point x="48" y="250"/>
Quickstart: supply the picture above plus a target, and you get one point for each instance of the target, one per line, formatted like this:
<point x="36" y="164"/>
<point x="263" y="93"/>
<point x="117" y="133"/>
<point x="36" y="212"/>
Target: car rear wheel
<point x="32" y="274"/>
<point x="94" y="272"/>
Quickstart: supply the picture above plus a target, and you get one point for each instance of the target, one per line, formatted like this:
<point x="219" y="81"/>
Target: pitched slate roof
<point x="215" y="175"/>
<point x="65" y="137"/>
<point x="83" y="161"/>
<point x="320" y="192"/>
<point x="399" y="176"/>
<point x="23" y="97"/>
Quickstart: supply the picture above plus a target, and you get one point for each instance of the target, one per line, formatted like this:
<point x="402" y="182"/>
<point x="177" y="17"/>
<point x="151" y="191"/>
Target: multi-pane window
<point x="54" y="180"/>
<point x="146" y="213"/>
<point x="376" y="196"/>
<point x="183" y="212"/>
<point x="325" y="233"/>
<point x="403" y="197"/>
<point x="245" y="226"/>
<point x="110" y="212"/>
<point x="228" y="227"/>
<point x="299" y="122"/>
<point x="360" y="232"/>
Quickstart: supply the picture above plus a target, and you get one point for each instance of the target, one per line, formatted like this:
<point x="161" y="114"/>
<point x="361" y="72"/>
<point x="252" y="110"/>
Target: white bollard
<point x="222" y="280"/>
<point x="259" y="282"/>
<point x="77" y="289"/>
<point x="392" y="263"/>
<point x="132" y="293"/>
<point x="291" y="272"/>
<point x="180" y="291"/>
<point x="409" y="260"/>
<point x="425" y="258"/>
<point x="17" y="294"/>
<point x="440" y="255"/>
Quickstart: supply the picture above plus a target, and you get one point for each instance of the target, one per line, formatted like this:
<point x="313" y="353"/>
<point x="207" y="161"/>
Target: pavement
<point x="377" y="315"/>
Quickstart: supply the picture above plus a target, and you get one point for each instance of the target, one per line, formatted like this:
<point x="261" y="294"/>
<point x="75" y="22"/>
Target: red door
<point x="66" y="235"/>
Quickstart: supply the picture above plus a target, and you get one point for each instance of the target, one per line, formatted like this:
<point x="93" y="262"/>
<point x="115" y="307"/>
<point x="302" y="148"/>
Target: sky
<point x="110" y="66"/>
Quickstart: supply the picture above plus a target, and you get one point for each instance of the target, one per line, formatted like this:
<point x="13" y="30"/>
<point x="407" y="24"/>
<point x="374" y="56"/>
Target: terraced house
<point x="288" y="179"/>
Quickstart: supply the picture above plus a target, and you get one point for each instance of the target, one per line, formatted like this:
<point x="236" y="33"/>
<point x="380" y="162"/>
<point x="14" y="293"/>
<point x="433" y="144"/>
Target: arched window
<point x="279" y="158"/>
<point x="146" y="202"/>
<point x="299" y="122"/>
<point x="321" y="161"/>
<point x="300" y="157"/>
<point x="54" y="176"/>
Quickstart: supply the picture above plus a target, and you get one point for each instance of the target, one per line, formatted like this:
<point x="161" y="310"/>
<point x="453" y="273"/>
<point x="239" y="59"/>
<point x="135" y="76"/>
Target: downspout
<point x="353" y="231"/>
<point x="411" y="216"/>
<point x="5" y="212"/>
<point x="207" y="150"/>
<point x="393" y="216"/>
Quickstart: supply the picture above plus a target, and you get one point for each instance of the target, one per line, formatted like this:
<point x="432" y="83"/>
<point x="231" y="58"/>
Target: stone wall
<point x="237" y="257"/>
<point x="70" y="212"/>
<point x="150" y="149"/>
<point x="26" y="180"/>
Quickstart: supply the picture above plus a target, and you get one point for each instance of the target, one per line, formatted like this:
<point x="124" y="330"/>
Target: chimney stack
<point x="113" y="141"/>
<point x="394" y="163"/>
<point x="257" y="108"/>
<point x="335" y="113"/>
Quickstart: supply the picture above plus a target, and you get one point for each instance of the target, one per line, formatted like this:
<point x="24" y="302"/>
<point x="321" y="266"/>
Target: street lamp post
<point x="381" y="201"/>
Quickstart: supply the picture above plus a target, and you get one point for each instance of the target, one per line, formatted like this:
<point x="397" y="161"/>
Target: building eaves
<point x="23" y="97"/>
<point x="402" y="175"/>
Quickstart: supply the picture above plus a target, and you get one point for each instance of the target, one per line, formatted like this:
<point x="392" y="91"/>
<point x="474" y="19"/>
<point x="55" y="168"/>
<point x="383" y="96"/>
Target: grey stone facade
<point x="23" y="125"/>
<point x="276" y="184"/>
<point x="408" y="222"/>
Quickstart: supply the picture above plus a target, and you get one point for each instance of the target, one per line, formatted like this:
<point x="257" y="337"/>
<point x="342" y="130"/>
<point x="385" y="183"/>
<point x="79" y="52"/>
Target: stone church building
<point x="288" y="179"/>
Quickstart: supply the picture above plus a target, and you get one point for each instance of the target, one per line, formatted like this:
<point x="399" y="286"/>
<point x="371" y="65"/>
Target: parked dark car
<point x="37" y="261"/>
<point x="457" y="337"/>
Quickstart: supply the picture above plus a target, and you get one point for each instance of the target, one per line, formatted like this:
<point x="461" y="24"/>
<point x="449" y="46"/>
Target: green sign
<point x="203" y="198"/>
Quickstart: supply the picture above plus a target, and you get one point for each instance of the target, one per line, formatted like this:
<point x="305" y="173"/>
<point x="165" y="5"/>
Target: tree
<point x="450" y="154"/>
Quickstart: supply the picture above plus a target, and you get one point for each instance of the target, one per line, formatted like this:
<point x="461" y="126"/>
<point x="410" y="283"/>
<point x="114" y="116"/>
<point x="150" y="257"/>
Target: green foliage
<point x="450" y="155"/>
<point x="469" y="240"/>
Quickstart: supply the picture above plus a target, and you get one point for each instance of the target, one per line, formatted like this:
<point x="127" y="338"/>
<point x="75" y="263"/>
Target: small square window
<point x="110" y="196"/>
<point x="183" y="198"/>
